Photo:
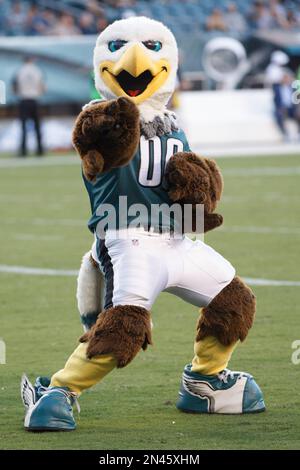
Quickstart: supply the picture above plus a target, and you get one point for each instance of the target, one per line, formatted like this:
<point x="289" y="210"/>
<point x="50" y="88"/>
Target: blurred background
<point x="239" y="62"/>
<point x="236" y="97"/>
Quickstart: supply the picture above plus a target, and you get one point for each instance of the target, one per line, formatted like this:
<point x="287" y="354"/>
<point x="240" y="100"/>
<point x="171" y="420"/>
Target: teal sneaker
<point x="41" y="383"/>
<point x="228" y="392"/>
<point x="47" y="408"/>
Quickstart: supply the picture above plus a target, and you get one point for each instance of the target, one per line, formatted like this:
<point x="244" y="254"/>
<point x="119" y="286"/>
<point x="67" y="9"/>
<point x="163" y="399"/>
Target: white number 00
<point x="150" y="173"/>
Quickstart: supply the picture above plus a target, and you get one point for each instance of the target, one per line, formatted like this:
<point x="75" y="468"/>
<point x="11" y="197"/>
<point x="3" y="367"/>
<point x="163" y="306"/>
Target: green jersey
<point x="138" y="183"/>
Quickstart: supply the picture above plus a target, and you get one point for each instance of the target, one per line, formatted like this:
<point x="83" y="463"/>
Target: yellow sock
<point x="80" y="372"/>
<point x="211" y="356"/>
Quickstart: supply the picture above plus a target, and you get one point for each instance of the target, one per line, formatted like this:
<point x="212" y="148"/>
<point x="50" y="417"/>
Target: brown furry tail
<point x="121" y="331"/>
<point x="230" y="314"/>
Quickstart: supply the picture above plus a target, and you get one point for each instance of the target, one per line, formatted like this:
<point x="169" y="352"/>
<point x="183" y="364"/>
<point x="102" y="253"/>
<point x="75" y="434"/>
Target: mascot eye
<point x="153" y="45"/>
<point x="114" y="46"/>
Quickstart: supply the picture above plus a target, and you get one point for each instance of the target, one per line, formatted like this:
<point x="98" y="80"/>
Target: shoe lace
<point x="72" y="396"/>
<point x="226" y="374"/>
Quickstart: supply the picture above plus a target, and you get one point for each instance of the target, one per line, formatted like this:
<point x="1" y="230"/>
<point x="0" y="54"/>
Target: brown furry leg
<point x="230" y="314"/>
<point x="121" y="331"/>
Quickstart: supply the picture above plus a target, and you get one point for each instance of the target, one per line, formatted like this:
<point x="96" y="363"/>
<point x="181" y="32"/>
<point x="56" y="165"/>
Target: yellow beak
<point x="135" y="83"/>
<point x="135" y="62"/>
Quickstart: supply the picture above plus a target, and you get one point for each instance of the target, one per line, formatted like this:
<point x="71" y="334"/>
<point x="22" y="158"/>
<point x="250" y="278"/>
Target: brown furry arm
<point x="106" y="135"/>
<point x="195" y="180"/>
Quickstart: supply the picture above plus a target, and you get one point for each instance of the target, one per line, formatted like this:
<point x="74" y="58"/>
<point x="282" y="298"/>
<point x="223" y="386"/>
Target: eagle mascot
<point x="134" y="158"/>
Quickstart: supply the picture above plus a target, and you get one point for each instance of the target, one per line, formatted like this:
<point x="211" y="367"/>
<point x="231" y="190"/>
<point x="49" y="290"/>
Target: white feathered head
<point x="137" y="57"/>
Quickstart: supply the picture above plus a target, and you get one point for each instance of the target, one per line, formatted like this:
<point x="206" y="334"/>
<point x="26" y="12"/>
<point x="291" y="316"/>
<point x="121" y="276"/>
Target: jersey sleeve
<point x="186" y="145"/>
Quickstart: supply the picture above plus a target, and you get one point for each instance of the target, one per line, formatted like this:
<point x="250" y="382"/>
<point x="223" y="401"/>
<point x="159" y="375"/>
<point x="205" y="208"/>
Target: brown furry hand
<point x="106" y="135"/>
<point x="184" y="184"/>
<point x="92" y="164"/>
<point x="212" y="221"/>
<point x="195" y="180"/>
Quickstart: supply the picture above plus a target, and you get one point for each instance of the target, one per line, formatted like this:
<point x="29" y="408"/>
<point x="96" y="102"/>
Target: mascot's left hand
<point x="195" y="180"/>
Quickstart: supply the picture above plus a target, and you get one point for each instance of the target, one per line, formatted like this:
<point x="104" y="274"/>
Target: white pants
<point x="138" y="268"/>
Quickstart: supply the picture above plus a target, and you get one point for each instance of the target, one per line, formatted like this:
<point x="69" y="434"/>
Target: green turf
<point x="42" y="225"/>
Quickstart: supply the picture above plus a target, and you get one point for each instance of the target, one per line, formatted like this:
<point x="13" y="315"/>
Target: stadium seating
<point x="187" y="15"/>
<point x="60" y="57"/>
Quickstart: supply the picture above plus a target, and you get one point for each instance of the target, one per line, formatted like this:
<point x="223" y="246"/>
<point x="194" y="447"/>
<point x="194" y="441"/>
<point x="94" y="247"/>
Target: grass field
<point x="43" y="213"/>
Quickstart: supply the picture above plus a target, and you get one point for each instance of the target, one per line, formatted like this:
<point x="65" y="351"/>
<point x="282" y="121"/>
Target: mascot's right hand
<point x="106" y="135"/>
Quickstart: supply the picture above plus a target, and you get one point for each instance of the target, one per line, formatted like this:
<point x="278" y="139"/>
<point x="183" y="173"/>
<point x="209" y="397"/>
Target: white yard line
<point x="14" y="162"/>
<point x="245" y="151"/>
<point x="263" y="171"/>
<point x="252" y="281"/>
<point x="32" y="237"/>
<point x="74" y="160"/>
<point x="28" y="271"/>
<point x="4" y="268"/>
<point x="45" y="222"/>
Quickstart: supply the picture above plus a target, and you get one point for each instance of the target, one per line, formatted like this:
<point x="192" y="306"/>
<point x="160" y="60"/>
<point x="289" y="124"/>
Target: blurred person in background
<point x="49" y="18"/>
<point x="87" y="23"/>
<point x="278" y="12"/>
<point x="101" y="24"/>
<point x="216" y="21"/>
<point x="29" y="86"/>
<point x="94" y="8"/>
<point x="122" y="3"/>
<point x="3" y="6"/>
<point x="16" y="19"/>
<point x="234" y="20"/>
<point x="36" y="23"/>
<point x="285" y="108"/>
<point x="260" y="16"/>
<point x="276" y="68"/>
<point x="280" y="79"/>
<point x="98" y="13"/>
<point x="65" y="26"/>
<point x="293" y="19"/>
